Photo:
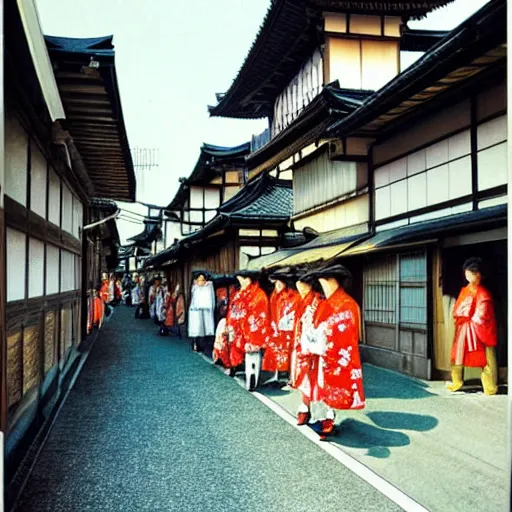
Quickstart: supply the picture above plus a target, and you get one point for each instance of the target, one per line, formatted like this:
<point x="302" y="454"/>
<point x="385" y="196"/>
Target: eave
<point x="309" y="127"/>
<point x="94" y="116"/>
<point x="476" y="47"/>
<point x="212" y="162"/>
<point x="289" y="34"/>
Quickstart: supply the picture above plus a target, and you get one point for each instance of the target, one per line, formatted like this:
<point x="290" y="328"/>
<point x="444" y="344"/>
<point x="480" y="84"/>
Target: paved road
<point x="151" y="426"/>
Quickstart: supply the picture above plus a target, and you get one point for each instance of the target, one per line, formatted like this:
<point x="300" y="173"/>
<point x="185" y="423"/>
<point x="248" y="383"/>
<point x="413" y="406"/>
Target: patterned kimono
<point x="475" y="327"/>
<point x="221" y="346"/>
<point x="304" y="365"/>
<point x="283" y="307"/>
<point x="234" y="315"/>
<point x="336" y="341"/>
<point x="248" y="323"/>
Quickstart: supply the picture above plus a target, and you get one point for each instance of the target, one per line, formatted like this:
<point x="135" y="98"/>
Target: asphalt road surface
<point x="151" y="426"/>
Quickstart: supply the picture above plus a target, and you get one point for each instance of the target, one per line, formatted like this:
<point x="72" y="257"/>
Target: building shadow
<point x="381" y="383"/>
<point x="403" y="421"/>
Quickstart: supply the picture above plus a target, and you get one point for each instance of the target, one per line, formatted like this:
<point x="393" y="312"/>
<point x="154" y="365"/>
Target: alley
<point x="149" y="425"/>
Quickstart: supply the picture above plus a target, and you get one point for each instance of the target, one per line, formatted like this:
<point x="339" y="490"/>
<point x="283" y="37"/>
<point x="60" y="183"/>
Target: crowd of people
<point x="304" y="332"/>
<point x="305" y="335"/>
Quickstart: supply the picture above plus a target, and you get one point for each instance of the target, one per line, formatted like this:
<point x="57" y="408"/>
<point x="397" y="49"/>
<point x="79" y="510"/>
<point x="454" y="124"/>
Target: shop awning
<point x="316" y="255"/>
<point x="432" y="230"/>
<point x="270" y="259"/>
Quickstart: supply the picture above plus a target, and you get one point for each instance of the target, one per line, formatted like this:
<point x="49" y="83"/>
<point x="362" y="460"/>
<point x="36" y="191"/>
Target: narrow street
<point x="149" y="425"/>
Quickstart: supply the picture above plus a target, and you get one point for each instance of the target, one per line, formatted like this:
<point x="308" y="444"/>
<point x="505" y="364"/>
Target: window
<point x="395" y="290"/>
<point x="380" y="295"/>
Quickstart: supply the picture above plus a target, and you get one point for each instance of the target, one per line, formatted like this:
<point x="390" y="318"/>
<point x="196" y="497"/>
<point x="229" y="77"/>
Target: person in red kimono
<point x="248" y="319"/>
<point x="475" y="331"/>
<point x="335" y="339"/>
<point x="304" y="364"/>
<point x="284" y="302"/>
<point x="98" y="308"/>
<point x="104" y="290"/>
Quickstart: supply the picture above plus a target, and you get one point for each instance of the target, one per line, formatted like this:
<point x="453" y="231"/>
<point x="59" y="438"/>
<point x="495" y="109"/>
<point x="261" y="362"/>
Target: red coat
<point x="475" y="327"/>
<point x="336" y="341"/>
<point x="283" y="309"/>
<point x="304" y="365"/>
<point x="247" y="322"/>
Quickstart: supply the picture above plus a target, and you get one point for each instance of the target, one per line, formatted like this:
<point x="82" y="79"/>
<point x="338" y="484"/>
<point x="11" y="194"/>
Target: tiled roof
<point x="433" y="229"/>
<point x="264" y="197"/>
<point x="311" y="124"/>
<point x="88" y="45"/>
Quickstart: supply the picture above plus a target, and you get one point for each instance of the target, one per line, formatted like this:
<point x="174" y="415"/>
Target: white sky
<point x="171" y="59"/>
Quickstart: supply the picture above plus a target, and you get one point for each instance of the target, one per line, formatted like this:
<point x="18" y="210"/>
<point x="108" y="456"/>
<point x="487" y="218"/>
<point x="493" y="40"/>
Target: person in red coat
<point x="335" y="339"/>
<point x="304" y="364"/>
<point x="247" y="320"/>
<point x="284" y="303"/>
<point x="475" y="331"/>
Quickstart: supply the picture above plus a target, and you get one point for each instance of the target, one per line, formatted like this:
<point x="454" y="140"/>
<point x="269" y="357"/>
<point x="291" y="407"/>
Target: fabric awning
<point x="316" y="255"/>
<point x="270" y="259"/>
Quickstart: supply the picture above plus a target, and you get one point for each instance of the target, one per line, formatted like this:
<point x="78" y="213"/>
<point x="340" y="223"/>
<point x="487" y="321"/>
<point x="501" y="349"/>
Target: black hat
<point x="197" y="273"/>
<point x="253" y="274"/>
<point x="157" y="278"/>
<point x="335" y="271"/>
<point x="283" y="274"/>
<point x="473" y="265"/>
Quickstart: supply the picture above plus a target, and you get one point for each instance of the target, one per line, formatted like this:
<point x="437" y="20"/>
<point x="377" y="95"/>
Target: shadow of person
<point x="353" y="433"/>
<point x="380" y="383"/>
<point x="403" y="421"/>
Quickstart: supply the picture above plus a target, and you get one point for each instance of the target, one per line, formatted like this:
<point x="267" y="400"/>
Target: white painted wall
<point x="77" y="217"/>
<point x="67" y="271"/>
<point x="35" y="268"/>
<point x="427" y="177"/>
<point x="67" y="209"/>
<point x="38" y="170"/>
<point x="52" y="269"/>
<point x="492" y="153"/>
<point x="212" y="198"/>
<point x="16" y="142"/>
<point x="16" y="261"/>
<point x="196" y="197"/>
<point x="54" y="198"/>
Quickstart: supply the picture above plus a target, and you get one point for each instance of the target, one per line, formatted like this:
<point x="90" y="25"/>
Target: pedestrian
<point x="201" y="321"/>
<point x="475" y="331"/>
<point x="335" y="339"/>
<point x="180" y="310"/>
<point x="248" y="321"/>
<point x="156" y="299"/>
<point x="284" y="302"/>
<point x="304" y="364"/>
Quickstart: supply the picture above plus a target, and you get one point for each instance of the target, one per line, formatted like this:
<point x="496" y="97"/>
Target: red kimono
<point x="169" y="310"/>
<point x="283" y="307"/>
<point x="475" y="327"/>
<point x="336" y="341"/>
<point x="221" y="345"/>
<point x="247" y="323"/>
<point x="304" y="365"/>
<point x="99" y="311"/>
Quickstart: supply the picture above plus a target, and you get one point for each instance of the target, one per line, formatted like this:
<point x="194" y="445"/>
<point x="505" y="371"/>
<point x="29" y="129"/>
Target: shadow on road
<point x="403" y="421"/>
<point x="380" y="383"/>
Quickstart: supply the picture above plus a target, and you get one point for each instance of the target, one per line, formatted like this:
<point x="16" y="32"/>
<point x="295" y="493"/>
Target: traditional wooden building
<point x="374" y="172"/>
<point x="60" y="95"/>
<point x="251" y="223"/>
